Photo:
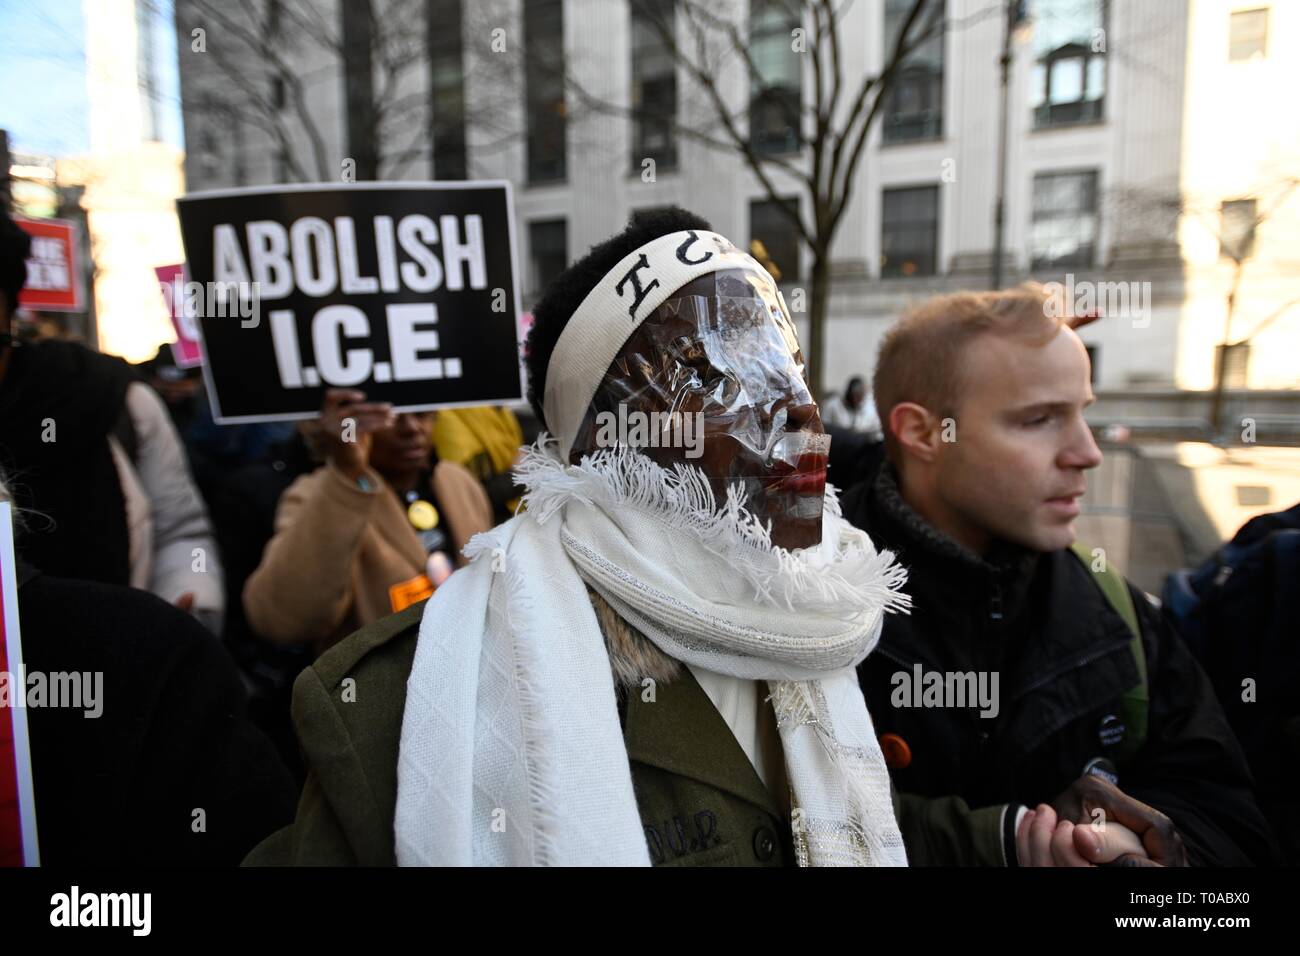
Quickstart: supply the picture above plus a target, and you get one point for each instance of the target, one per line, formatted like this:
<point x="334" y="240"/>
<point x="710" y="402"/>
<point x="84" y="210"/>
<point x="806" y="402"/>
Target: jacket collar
<point x="1073" y="624"/>
<point x="941" y="571"/>
<point x="655" y="732"/>
<point x="903" y="523"/>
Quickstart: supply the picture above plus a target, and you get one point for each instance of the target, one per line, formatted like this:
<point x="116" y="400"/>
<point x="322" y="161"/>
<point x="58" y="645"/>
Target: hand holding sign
<point x="347" y="421"/>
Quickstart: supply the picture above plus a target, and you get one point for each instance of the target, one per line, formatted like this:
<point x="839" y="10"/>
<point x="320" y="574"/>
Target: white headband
<point x="613" y="310"/>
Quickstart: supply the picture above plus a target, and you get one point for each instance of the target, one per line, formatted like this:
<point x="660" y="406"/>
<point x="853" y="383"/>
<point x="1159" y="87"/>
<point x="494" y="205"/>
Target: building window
<point x="914" y="103"/>
<point x="548" y="243"/>
<point x="1248" y="35"/>
<point x="1094" y="356"/>
<point x="776" y="92"/>
<point x="1064" y="229"/>
<point x="359" y="86"/>
<point x="909" y="232"/>
<point x="773" y="238"/>
<point x="147" y="70"/>
<point x="1068" y="84"/>
<point x="1237" y="229"/>
<point x="654" y="84"/>
<point x="544" y="81"/>
<point x="446" y="88"/>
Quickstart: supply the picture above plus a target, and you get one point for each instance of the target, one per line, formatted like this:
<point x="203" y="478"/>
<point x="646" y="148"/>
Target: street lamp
<point x="1017" y="20"/>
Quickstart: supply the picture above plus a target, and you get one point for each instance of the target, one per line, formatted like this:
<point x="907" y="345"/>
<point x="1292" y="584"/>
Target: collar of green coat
<point x="681" y="732"/>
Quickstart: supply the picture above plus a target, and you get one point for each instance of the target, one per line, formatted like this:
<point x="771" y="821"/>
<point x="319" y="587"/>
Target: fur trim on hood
<point x="632" y="655"/>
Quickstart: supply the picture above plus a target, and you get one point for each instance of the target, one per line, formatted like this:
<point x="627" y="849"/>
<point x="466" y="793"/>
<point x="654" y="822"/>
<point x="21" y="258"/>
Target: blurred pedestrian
<point x="485" y="439"/>
<point x="372" y="531"/>
<point x="157" y="763"/>
<point x="94" y="459"/>
<point x="854" y="410"/>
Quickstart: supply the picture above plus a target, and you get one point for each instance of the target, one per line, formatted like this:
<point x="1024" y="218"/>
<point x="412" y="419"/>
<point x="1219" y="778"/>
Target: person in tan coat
<point x="374" y="530"/>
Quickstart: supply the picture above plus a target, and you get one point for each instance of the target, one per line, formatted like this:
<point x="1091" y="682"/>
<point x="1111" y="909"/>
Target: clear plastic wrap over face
<point x="714" y="379"/>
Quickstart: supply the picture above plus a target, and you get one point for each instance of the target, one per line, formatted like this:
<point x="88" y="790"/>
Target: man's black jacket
<point x="1063" y="661"/>
<point x="171" y="738"/>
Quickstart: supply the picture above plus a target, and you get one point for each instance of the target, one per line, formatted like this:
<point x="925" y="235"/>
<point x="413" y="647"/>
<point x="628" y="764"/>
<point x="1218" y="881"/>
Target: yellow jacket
<point x="484" y="439"/>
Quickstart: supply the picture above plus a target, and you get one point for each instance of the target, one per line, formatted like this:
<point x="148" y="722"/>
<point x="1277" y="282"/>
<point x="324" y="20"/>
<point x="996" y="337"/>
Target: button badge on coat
<point x="1110" y="731"/>
<point x="898" y="754"/>
<point x="1101" y="767"/>
<point x="422" y="515"/>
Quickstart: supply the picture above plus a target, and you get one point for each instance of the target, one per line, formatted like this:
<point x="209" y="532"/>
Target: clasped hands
<point x="1094" y="823"/>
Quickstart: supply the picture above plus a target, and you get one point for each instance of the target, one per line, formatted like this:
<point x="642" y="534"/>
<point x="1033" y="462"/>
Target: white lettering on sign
<point x="413" y="232"/>
<point x="456" y="253"/>
<point x="334" y="365"/>
<point x="410" y="338"/>
<point x="268" y="242"/>
<point x="227" y="260"/>
<point x="353" y="282"/>
<point x="319" y="258"/>
<point x="407" y="341"/>
<point x="387" y="253"/>
<point x="312" y="242"/>
<point x="47" y="266"/>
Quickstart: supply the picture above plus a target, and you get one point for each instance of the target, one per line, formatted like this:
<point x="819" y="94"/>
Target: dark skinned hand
<point x="1159" y="836"/>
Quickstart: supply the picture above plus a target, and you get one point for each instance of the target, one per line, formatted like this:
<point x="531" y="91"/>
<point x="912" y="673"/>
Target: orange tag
<point x="405" y="593"/>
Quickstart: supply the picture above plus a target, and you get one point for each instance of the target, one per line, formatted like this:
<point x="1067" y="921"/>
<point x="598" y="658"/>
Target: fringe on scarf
<point x="681" y="497"/>
<point x="800" y="703"/>
<point x="537" y="748"/>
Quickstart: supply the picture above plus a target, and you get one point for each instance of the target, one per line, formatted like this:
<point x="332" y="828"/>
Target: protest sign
<point x="186" y="351"/>
<point x="53" y="284"/>
<point x="17" y="806"/>
<point x="405" y="291"/>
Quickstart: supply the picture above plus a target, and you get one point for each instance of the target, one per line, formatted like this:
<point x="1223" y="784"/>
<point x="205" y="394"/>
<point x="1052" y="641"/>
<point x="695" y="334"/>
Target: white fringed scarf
<point x="511" y="749"/>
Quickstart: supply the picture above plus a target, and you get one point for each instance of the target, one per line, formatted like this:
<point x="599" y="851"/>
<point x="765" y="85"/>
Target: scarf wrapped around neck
<point x="511" y="749"/>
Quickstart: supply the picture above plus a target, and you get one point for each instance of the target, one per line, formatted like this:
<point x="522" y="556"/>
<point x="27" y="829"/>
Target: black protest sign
<point x="406" y="291"/>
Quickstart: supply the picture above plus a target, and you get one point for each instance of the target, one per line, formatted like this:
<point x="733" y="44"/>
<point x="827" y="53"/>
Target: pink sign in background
<point x="186" y="350"/>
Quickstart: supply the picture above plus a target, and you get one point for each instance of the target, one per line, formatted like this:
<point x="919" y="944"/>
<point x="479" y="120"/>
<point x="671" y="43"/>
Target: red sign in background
<point x="53" y="283"/>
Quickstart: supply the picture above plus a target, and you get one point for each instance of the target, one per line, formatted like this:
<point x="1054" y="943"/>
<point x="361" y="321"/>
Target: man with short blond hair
<point x="1087" y="706"/>
<point x="920" y="357"/>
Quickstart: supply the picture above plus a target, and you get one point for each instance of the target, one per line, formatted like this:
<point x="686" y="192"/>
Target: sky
<point x="43" y="99"/>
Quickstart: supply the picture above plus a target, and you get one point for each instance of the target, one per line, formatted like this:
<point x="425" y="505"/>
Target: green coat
<point x="700" y="800"/>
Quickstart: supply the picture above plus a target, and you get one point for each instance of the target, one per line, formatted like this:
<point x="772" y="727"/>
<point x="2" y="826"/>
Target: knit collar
<point x="921" y="541"/>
